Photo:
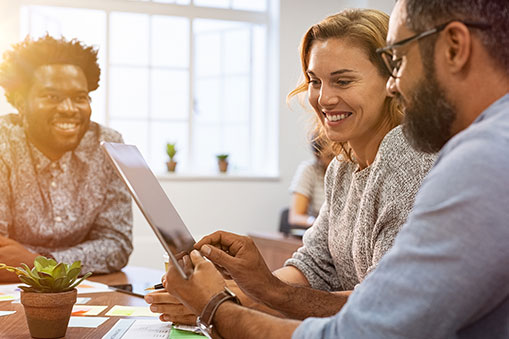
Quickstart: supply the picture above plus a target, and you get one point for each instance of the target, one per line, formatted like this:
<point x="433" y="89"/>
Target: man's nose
<point x="67" y="106"/>
<point x="390" y="87"/>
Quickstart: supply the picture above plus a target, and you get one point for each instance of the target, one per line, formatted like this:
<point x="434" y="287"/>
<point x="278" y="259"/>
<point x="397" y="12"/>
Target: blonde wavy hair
<point x="366" y="28"/>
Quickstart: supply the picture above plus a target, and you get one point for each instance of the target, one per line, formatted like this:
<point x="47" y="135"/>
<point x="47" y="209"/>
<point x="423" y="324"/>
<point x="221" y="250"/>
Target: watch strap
<point x="207" y="314"/>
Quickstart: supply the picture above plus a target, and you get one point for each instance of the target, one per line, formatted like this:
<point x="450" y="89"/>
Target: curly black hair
<point x="20" y="62"/>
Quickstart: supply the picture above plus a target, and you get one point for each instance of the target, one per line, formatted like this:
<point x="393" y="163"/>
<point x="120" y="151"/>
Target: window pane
<point x="170" y="41"/>
<point x="250" y="5"/>
<point x="221" y="46"/>
<point x="134" y="133"/>
<point x="212" y="139"/>
<point x="206" y="144"/>
<point x="213" y="3"/>
<point x="237" y="137"/>
<point x="208" y="100"/>
<point x="128" y="92"/>
<point x="207" y="54"/>
<point x="223" y="93"/>
<point x="68" y="22"/>
<point x="170" y="94"/>
<point x="259" y="113"/>
<point x="129" y="35"/>
<point x="237" y="50"/>
<point x="160" y="134"/>
<point x="236" y="99"/>
<point x="98" y="103"/>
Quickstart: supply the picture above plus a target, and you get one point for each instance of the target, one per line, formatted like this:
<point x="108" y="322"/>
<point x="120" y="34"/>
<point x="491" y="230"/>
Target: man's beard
<point x="429" y="116"/>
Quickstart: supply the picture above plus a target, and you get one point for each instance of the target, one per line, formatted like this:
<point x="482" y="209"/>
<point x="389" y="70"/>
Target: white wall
<point x="240" y="206"/>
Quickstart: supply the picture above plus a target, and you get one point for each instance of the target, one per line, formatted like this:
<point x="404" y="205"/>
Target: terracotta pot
<point x="171" y="166"/>
<point x="48" y="314"/>
<point x="223" y="165"/>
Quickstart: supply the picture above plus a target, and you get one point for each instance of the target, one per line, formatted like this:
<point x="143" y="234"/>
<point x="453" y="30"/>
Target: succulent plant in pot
<point x="50" y="295"/>
<point x="171" y="151"/>
<point x="222" y="162"/>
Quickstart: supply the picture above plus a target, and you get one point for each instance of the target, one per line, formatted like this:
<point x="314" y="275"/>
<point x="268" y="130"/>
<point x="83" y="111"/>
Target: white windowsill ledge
<point x="215" y="177"/>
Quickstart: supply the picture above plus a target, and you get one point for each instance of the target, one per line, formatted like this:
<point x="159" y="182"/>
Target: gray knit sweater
<point x="362" y="213"/>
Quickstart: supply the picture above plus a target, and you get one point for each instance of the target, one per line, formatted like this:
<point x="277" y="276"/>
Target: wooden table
<point x="275" y="247"/>
<point x="14" y="326"/>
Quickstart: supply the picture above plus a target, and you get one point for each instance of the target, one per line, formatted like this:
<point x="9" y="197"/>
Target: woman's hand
<point x="170" y="307"/>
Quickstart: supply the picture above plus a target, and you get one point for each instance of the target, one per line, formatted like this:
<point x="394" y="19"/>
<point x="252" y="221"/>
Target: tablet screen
<point x="151" y="199"/>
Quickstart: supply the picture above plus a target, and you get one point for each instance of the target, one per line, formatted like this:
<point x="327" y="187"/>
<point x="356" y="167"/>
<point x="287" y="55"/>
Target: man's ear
<point x="458" y="46"/>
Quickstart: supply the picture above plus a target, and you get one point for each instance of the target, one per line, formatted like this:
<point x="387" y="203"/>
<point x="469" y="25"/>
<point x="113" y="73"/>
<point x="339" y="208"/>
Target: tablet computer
<point x="152" y="201"/>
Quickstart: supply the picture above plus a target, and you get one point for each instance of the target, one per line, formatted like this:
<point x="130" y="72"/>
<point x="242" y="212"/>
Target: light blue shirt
<point x="447" y="275"/>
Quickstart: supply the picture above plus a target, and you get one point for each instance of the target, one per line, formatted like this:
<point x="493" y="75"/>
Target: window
<point x="192" y="72"/>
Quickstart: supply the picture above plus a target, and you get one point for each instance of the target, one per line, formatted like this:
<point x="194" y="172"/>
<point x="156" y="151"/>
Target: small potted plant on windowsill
<point x="171" y="151"/>
<point x="50" y="295"/>
<point x="222" y="162"/>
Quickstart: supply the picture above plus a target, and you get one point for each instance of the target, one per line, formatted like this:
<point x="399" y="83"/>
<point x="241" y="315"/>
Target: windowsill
<point x="176" y="176"/>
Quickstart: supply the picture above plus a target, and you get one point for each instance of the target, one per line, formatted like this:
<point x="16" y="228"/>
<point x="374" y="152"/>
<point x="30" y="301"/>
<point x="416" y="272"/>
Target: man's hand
<point x="170" y="307"/>
<point x="13" y="253"/>
<point x="203" y="283"/>
<point x="241" y="259"/>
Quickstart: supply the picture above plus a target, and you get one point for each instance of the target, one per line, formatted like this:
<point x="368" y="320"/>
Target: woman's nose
<point x="327" y="97"/>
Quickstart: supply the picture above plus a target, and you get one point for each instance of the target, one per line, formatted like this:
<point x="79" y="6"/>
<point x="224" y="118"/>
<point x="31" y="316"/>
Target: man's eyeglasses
<point x="387" y="53"/>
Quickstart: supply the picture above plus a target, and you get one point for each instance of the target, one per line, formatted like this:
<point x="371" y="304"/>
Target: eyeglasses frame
<point x="386" y="53"/>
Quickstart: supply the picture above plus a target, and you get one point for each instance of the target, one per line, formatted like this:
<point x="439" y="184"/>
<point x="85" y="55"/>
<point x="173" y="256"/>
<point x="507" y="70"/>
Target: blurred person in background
<point x="307" y="190"/>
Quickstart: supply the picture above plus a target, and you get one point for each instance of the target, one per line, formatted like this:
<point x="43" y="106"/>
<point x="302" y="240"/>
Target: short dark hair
<point x="423" y="15"/>
<point x="20" y="62"/>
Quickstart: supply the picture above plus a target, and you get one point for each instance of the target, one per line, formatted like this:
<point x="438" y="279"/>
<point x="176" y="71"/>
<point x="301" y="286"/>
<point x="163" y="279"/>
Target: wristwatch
<point x="204" y="321"/>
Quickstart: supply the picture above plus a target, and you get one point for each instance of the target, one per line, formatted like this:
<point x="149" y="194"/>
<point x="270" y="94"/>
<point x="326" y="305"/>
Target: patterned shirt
<point x="73" y="208"/>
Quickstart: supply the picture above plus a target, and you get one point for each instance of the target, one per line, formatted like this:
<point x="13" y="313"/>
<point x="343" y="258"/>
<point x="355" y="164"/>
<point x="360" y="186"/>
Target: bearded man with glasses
<point x="426" y="132"/>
